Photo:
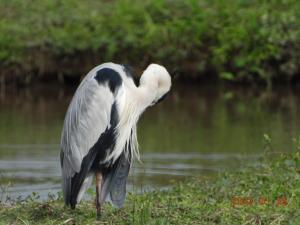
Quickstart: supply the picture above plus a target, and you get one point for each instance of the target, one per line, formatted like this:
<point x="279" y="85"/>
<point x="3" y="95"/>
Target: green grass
<point x="264" y="193"/>
<point x="237" y="40"/>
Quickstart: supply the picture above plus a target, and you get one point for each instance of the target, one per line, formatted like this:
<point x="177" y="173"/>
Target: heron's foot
<point x="98" y="214"/>
<point x="98" y="192"/>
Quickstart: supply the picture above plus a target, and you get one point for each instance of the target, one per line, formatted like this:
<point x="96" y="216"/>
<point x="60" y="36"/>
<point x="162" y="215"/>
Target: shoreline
<point x="265" y="194"/>
<point x="232" y="41"/>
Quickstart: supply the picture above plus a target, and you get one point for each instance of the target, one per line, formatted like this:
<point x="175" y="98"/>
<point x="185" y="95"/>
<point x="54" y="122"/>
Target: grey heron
<point x="99" y="132"/>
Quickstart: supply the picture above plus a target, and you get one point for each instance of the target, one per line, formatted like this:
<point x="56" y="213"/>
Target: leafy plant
<point x="238" y="40"/>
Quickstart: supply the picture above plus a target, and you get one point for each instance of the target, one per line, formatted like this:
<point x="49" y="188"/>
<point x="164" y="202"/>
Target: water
<point x="196" y="131"/>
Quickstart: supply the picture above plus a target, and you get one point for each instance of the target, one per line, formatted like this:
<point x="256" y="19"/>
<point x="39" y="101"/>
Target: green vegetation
<point x="236" y="40"/>
<point x="264" y="193"/>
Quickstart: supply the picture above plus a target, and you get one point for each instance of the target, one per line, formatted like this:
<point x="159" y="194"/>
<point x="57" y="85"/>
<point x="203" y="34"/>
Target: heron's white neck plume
<point x="155" y="82"/>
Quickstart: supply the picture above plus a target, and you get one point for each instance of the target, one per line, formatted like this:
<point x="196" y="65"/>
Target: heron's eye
<point x="159" y="83"/>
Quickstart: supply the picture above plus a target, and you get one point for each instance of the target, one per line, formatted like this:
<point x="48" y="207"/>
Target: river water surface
<point x="196" y="131"/>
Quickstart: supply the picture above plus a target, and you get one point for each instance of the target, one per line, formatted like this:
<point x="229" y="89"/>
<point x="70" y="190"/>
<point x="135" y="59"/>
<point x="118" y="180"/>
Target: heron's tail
<point x="66" y="186"/>
<point x="114" y="182"/>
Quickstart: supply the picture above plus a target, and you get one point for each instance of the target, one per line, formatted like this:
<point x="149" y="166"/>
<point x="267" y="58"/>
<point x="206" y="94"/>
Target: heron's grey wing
<point x="87" y="127"/>
<point x="114" y="182"/>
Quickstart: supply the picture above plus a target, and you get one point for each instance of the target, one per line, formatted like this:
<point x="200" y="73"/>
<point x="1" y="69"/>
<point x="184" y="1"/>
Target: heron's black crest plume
<point x="175" y="73"/>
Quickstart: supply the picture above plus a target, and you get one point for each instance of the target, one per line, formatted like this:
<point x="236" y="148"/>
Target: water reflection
<point x="198" y="130"/>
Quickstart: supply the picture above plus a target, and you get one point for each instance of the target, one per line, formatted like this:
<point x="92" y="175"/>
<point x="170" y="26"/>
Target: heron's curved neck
<point x="146" y="94"/>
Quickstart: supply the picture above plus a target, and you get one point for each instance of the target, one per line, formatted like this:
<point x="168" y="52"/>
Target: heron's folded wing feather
<point x="114" y="184"/>
<point x="89" y="124"/>
<point x="87" y="118"/>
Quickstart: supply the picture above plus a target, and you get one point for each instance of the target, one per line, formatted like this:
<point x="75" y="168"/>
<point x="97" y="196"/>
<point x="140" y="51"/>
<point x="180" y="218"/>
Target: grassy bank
<point x="267" y="193"/>
<point x="233" y="40"/>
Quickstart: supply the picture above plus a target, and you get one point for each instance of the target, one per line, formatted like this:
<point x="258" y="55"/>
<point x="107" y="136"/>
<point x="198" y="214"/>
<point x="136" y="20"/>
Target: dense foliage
<point x="233" y="39"/>
<point x="266" y="193"/>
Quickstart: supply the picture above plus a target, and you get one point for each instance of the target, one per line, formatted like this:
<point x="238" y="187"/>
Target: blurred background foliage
<point x="238" y="40"/>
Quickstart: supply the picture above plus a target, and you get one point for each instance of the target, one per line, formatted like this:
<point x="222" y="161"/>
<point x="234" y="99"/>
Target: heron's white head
<point x="157" y="81"/>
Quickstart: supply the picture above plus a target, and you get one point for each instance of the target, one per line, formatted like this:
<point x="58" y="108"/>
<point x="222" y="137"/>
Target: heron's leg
<point x="98" y="192"/>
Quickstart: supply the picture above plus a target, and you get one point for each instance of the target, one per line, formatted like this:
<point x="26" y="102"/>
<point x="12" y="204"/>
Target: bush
<point x="236" y="39"/>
